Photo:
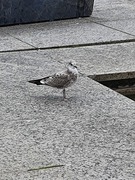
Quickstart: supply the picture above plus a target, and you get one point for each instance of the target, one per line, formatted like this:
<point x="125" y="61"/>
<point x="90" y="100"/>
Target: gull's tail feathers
<point x="36" y="81"/>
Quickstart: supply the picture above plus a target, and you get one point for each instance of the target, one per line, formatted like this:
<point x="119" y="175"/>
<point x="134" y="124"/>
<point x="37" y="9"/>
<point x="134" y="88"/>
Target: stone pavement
<point x="92" y="134"/>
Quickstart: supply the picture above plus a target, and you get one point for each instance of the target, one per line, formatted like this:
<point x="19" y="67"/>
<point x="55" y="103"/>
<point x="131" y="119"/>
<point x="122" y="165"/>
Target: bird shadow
<point x="53" y="99"/>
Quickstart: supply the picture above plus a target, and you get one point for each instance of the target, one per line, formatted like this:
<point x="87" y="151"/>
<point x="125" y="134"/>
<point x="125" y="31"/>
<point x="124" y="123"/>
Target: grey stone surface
<point x="91" y="134"/>
<point x="124" y="26"/>
<point x="107" y="10"/>
<point x="101" y="59"/>
<point x="10" y="43"/>
<point x="80" y="31"/>
<point x="64" y="33"/>
<point x="113" y="76"/>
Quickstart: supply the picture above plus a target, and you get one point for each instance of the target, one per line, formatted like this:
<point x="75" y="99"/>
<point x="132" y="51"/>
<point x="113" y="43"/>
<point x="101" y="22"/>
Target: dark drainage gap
<point x="125" y="86"/>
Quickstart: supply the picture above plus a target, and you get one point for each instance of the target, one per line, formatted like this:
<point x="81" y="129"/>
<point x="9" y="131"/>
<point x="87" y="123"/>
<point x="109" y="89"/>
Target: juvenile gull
<point x="60" y="80"/>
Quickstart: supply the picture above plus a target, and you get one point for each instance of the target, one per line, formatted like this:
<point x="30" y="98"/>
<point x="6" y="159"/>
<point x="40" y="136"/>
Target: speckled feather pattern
<point x="60" y="80"/>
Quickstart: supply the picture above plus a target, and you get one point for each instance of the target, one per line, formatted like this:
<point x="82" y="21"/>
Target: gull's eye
<point x="70" y="64"/>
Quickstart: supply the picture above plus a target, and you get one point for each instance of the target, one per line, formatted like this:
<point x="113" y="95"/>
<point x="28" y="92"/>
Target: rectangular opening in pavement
<point x="123" y="83"/>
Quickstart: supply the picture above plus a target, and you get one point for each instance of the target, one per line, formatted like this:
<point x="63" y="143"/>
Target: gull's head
<point x="72" y="67"/>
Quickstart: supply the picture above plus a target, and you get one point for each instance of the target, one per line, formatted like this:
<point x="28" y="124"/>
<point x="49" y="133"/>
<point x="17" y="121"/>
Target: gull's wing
<point x="58" y="80"/>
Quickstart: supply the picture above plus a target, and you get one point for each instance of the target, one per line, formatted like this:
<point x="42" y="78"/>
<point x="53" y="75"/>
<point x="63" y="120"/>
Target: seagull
<point x="60" y="80"/>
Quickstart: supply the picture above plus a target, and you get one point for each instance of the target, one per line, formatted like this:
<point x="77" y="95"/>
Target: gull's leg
<point x="64" y="94"/>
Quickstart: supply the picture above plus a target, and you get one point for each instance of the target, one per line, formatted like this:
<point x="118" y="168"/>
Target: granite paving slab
<point x="99" y="59"/>
<point x="108" y="10"/>
<point x="127" y="26"/>
<point x="92" y="60"/>
<point x="64" y="33"/>
<point x="91" y="133"/>
<point x="8" y="42"/>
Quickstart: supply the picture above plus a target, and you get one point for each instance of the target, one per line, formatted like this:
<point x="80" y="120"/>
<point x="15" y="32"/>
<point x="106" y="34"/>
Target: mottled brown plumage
<point x="60" y="80"/>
